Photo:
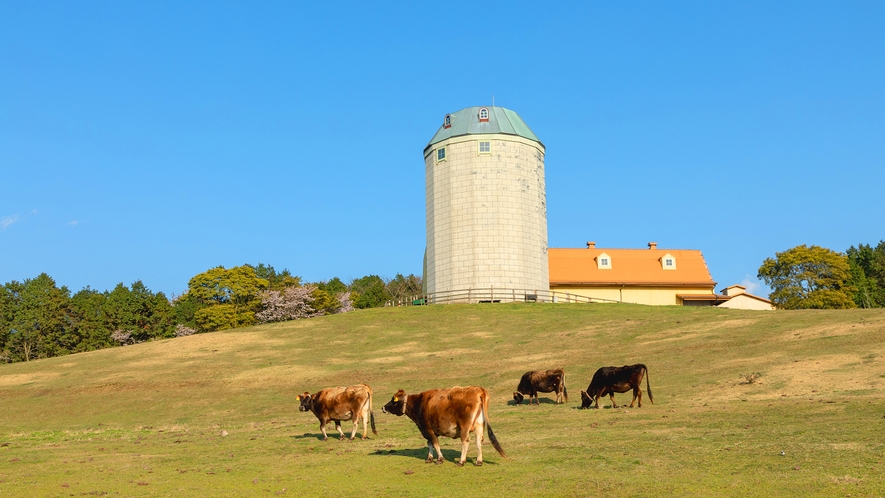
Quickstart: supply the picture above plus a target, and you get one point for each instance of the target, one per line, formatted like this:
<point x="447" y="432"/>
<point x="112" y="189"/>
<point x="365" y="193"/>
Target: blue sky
<point x="154" y="140"/>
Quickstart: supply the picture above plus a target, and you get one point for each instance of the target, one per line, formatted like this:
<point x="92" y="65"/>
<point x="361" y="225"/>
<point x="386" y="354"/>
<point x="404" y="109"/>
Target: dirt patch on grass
<point x="531" y="359"/>
<point x="828" y="330"/>
<point x="278" y="375"/>
<point x="690" y="332"/>
<point x="20" y="379"/>
<point x="406" y="347"/>
<point x="820" y="376"/>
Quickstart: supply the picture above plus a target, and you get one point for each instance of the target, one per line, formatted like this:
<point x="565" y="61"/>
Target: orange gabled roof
<point x="628" y="267"/>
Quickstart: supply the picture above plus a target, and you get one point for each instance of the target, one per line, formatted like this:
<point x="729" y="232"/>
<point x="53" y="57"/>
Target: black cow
<point x="544" y="381"/>
<point x="611" y="380"/>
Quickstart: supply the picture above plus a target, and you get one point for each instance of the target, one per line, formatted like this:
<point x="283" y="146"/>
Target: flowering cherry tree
<point x="288" y="304"/>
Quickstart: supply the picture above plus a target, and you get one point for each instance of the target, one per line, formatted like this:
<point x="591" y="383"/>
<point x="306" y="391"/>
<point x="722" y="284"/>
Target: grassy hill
<point x="214" y="414"/>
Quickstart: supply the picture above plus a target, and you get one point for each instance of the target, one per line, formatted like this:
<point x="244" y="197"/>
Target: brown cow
<point x="447" y="412"/>
<point x="544" y="381"/>
<point x="611" y="380"/>
<point x="340" y="403"/>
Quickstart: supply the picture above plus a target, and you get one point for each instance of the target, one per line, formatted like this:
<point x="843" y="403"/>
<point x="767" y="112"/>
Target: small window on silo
<point x="441" y="154"/>
<point x="485" y="148"/>
<point x="483" y="115"/>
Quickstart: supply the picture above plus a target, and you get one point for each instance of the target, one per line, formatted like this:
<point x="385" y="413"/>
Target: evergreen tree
<point x="867" y="268"/>
<point x="40" y="323"/>
<point x="88" y="307"/>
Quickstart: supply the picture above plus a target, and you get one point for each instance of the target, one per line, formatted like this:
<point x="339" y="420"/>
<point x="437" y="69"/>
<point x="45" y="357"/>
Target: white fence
<point x="494" y="295"/>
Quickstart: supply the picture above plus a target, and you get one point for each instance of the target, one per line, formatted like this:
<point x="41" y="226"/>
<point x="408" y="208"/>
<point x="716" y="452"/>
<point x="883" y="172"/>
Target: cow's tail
<point x="564" y="389"/>
<point x="648" y="386"/>
<point x="372" y="414"/>
<point x="485" y="414"/>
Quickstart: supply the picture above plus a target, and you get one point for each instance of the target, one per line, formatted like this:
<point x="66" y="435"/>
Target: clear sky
<point x="154" y="140"/>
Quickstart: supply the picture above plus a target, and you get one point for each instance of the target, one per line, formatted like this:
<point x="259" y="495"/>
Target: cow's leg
<point x="465" y="443"/>
<point x="356" y="425"/>
<point x="323" y="430"/>
<point x="340" y="432"/>
<point x="365" y="422"/>
<point x="437" y="448"/>
<point x="433" y="444"/>
<point x="612" y="396"/>
<point x="478" y="432"/>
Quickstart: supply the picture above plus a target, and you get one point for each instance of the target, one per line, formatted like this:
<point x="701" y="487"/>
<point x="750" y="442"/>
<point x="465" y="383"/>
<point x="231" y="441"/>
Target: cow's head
<point x="518" y="397"/>
<point x="306" y="401"/>
<point x="397" y="404"/>
<point x="586" y="400"/>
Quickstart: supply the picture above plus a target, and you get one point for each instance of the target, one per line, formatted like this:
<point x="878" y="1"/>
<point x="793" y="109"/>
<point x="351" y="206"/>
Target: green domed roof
<point x="466" y="122"/>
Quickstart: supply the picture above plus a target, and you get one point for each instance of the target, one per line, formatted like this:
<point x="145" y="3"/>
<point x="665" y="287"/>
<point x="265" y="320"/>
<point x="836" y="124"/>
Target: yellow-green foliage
<point x="229" y="298"/>
<point x="214" y="414"/>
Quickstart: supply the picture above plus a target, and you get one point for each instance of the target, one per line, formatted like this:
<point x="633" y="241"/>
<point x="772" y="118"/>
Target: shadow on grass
<point x="332" y="437"/>
<point x="451" y="456"/>
<point x="543" y="401"/>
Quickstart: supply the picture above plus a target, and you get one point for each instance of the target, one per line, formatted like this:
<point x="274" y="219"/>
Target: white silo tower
<point x="486" y="204"/>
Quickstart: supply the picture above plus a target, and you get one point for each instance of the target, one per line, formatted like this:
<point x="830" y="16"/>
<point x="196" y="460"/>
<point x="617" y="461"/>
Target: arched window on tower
<point x="447" y="123"/>
<point x="483" y="115"/>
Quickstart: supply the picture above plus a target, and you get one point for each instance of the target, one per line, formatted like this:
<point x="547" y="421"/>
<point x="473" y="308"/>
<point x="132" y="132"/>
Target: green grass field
<point x="215" y="414"/>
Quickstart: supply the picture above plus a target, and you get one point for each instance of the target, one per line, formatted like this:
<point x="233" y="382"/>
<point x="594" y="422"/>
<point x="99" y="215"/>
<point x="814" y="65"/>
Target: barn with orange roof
<point x="645" y="276"/>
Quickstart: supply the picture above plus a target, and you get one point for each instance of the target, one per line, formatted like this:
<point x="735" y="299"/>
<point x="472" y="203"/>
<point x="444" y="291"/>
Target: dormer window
<point x="604" y="262"/>
<point x="668" y="262"/>
<point x="447" y="123"/>
<point x="483" y="115"/>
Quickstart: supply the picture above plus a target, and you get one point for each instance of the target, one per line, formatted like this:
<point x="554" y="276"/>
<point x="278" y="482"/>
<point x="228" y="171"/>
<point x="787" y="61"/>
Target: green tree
<point x="185" y="308"/>
<point x="236" y="290"/>
<point x="276" y="281"/>
<point x="867" y="268"/>
<point x="808" y="278"/>
<point x="88" y="308"/>
<point x="403" y="288"/>
<point x="333" y="286"/>
<point x="139" y="312"/>
<point x="324" y="301"/>
<point x="8" y="307"/>
<point x="39" y="322"/>
<point x="369" y="292"/>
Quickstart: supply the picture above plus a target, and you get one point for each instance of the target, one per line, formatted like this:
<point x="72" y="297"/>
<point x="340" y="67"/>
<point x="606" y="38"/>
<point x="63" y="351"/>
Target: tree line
<point x="39" y="319"/>
<point x="819" y="278"/>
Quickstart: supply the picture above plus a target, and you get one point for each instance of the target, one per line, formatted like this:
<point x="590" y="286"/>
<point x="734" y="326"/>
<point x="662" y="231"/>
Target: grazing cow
<point x="447" y="412"/>
<point x="340" y="403"/>
<point x="611" y="380"/>
<point x="544" y="382"/>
